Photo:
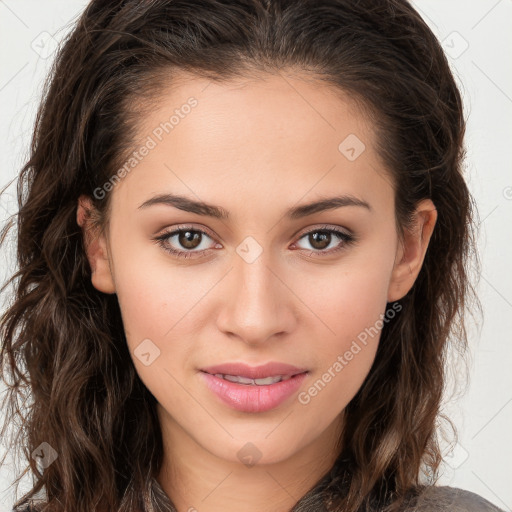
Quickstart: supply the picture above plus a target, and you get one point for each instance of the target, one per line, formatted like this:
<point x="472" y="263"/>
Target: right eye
<point x="186" y="237"/>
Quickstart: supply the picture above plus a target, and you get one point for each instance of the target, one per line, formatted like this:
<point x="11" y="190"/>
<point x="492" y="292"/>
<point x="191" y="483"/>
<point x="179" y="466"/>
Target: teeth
<point x="268" y="380"/>
<point x="258" y="382"/>
<point x="240" y="380"/>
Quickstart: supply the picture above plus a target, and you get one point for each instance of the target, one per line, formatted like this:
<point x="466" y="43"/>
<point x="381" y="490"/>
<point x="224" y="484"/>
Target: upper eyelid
<point x="174" y="231"/>
<point x="324" y="227"/>
<point x="298" y="235"/>
<point x="190" y="227"/>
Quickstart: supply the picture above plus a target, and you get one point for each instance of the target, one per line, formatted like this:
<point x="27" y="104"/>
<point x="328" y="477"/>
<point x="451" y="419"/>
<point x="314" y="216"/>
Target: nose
<point x="257" y="304"/>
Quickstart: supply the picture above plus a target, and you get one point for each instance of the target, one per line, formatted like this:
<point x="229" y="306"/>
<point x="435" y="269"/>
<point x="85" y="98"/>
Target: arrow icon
<point x="147" y="352"/>
<point x="351" y="147"/>
<point x="455" y="45"/>
<point x="45" y="453"/>
<point x="249" y="249"/>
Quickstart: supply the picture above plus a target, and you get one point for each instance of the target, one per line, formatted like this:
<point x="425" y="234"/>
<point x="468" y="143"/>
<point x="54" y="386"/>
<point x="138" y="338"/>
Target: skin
<point x="256" y="148"/>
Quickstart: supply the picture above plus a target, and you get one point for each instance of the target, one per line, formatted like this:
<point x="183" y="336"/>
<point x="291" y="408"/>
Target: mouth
<point x="263" y="375"/>
<point x="253" y="395"/>
<point x="254" y="382"/>
<point x="253" y="389"/>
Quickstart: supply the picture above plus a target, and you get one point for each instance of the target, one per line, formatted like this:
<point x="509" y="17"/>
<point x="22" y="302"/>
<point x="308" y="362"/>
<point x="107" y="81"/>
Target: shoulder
<point x="440" y="498"/>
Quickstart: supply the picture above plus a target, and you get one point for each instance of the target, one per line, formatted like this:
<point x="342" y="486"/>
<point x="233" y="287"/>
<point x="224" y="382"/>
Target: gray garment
<point x="431" y="499"/>
<point x="454" y="500"/>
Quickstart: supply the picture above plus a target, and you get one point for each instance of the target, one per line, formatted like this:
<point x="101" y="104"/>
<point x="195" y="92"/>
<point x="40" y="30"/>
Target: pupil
<point x="186" y="239"/>
<point x="320" y="239"/>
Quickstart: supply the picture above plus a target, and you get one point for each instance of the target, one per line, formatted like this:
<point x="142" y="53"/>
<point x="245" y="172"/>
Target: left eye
<point x="191" y="240"/>
<point x="321" y="239"/>
<point x="187" y="238"/>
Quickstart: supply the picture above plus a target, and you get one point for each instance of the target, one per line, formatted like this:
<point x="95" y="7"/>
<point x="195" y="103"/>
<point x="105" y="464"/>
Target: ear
<point x="96" y="246"/>
<point x="411" y="253"/>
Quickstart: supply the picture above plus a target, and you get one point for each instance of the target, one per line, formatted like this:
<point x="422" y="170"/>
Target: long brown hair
<point x="63" y="343"/>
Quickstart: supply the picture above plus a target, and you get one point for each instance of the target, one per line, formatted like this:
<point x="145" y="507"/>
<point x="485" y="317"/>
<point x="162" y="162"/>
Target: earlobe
<point x="96" y="247"/>
<point x="411" y="253"/>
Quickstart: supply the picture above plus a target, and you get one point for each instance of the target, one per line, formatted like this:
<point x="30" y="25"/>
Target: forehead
<point x="296" y="107"/>
<point x="270" y="135"/>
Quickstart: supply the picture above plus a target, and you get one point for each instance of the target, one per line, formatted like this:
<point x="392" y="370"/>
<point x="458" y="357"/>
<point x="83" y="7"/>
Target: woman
<point x="243" y="248"/>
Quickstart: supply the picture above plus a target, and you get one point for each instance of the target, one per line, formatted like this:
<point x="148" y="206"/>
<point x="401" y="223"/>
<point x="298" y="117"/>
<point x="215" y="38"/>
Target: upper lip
<point x="272" y="369"/>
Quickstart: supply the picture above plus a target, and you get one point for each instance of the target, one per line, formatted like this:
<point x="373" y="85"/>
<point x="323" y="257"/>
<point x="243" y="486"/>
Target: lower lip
<point x="253" y="398"/>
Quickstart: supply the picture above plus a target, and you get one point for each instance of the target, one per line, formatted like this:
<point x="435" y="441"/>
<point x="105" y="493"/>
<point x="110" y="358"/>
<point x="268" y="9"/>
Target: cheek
<point x="160" y="308"/>
<point x="346" y="301"/>
<point x="159" y="303"/>
<point x="349" y="312"/>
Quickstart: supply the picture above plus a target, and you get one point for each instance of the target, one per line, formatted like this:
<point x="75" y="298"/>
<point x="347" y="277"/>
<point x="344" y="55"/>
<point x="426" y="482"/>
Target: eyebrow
<point x="297" y="212"/>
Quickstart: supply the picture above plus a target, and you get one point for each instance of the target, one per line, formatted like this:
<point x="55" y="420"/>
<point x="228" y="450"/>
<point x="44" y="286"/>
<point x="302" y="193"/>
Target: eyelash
<point x="161" y="241"/>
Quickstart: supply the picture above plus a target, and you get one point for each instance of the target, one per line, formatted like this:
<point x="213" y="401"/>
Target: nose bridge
<point x="256" y="306"/>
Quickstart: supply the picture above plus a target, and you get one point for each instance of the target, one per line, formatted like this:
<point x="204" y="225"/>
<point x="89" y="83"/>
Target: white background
<point x="477" y="37"/>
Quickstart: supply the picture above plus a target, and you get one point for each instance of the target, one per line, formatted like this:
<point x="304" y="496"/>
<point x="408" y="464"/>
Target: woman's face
<point x="255" y="287"/>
